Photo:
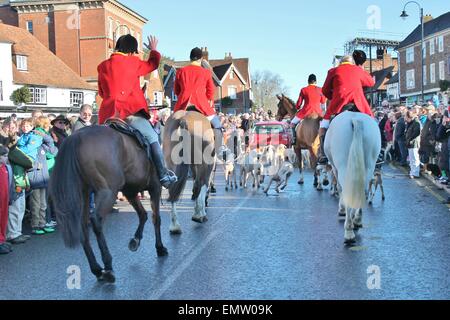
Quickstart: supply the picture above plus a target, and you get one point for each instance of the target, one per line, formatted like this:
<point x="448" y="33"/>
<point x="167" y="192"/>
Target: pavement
<point x="282" y="246"/>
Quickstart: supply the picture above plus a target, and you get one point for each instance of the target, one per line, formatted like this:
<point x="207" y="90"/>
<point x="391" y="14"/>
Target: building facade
<point x="53" y="86"/>
<point x="436" y="54"/>
<point x="81" y="33"/>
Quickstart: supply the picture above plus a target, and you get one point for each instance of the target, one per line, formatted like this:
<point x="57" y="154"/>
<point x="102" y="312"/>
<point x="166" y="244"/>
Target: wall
<point x="6" y="75"/>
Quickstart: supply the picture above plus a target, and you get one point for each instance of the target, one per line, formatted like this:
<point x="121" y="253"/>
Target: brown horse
<point x="102" y="161"/>
<point x="307" y="134"/>
<point x="188" y="142"/>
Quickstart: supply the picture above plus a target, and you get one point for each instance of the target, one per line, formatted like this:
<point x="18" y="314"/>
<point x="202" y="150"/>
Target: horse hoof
<point x="349" y="242"/>
<point x="356" y="227"/>
<point x="162" y="252"/>
<point x="176" y="231"/>
<point x="199" y="220"/>
<point x="326" y="183"/>
<point x="383" y="198"/>
<point x="370" y="203"/>
<point x="107" y="276"/>
<point x="301" y="182"/>
<point x="226" y="189"/>
<point x="134" y="244"/>
<point x="319" y="189"/>
<point x="341" y="214"/>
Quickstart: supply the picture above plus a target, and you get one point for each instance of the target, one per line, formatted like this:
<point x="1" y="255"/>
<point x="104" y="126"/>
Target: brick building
<point x="53" y="86"/>
<point x="82" y="33"/>
<point x="231" y="77"/>
<point x="437" y="60"/>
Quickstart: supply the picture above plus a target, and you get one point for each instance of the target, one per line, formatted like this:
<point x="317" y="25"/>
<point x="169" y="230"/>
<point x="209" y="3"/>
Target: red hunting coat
<point x="313" y="97"/>
<point x="119" y="85"/>
<point x="194" y="86"/>
<point x="344" y="85"/>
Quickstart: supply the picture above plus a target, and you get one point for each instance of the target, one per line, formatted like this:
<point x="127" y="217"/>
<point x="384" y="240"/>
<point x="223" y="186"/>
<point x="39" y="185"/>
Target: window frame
<point x="409" y="55"/>
<point x="432" y="46"/>
<point x="42" y="93"/>
<point x="21" y="62"/>
<point x="235" y="94"/>
<point x="442" y="70"/>
<point x="28" y="22"/>
<point x="1" y="90"/>
<point x="433" y="73"/>
<point x="441" y="43"/>
<point x="408" y="77"/>
<point x="72" y="94"/>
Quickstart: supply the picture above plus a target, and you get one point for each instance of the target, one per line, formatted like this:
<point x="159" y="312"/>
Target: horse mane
<point x="290" y="101"/>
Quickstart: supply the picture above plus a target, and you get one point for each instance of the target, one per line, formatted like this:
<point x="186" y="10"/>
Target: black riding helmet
<point x="312" y="78"/>
<point x="360" y="57"/>
<point x="127" y="44"/>
<point x="196" y="54"/>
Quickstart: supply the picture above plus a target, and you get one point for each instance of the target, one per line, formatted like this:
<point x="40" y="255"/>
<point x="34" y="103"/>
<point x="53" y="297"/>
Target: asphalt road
<point x="286" y="246"/>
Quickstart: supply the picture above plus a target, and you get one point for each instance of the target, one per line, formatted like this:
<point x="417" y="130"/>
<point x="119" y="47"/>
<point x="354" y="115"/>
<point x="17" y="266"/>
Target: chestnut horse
<point x="307" y="134"/>
<point x="188" y="142"/>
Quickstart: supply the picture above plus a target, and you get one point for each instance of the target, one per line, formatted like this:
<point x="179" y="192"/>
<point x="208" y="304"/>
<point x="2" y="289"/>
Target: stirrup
<point x="169" y="179"/>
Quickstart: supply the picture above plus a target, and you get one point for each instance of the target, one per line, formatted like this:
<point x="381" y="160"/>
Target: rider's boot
<point x="294" y="135"/>
<point x="322" y="157"/>
<point x="166" y="177"/>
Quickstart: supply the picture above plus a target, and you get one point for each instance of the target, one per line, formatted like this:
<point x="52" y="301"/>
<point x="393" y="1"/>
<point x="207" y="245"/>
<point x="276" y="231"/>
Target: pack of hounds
<point x="276" y="164"/>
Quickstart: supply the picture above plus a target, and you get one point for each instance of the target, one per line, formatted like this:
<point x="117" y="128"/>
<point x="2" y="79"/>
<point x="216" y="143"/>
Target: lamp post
<point x="404" y="15"/>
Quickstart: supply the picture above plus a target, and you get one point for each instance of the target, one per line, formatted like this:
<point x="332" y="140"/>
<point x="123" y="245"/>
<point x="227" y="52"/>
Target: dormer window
<point x="22" y="63"/>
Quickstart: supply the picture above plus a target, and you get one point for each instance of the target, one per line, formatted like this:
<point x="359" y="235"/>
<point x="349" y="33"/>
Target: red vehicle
<point x="270" y="133"/>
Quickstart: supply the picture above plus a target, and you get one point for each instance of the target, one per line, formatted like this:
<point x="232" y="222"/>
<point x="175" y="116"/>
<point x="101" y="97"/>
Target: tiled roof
<point x="431" y="27"/>
<point x="44" y="68"/>
<point x="220" y="70"/>
<point x="241" y="64"/>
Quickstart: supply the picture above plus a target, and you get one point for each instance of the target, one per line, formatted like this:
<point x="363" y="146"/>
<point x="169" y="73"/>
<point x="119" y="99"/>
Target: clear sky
<point x="290" y="37"/>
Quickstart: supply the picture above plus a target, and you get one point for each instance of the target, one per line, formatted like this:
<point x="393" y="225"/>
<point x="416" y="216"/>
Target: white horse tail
<point x="353" y="191"/>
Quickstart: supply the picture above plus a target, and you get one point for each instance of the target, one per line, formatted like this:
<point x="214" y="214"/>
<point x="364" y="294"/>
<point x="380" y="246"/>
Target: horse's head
<point x="285" y="106"/>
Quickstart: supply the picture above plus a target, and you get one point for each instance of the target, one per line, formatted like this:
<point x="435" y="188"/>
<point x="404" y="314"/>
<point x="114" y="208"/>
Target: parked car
<point x="270" y="133"/>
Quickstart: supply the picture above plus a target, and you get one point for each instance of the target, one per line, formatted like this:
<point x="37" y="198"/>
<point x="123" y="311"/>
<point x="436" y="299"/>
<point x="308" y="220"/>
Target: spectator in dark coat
<point x="412" y="142"/>
<point x="59" y="130"/>
<point x="442" y="136"/>
<point x="400" y="138"/>
<point x="428" y="137"/>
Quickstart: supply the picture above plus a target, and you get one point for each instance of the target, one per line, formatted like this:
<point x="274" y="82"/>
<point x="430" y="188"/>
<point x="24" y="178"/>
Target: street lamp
<point x="404" y="15"/>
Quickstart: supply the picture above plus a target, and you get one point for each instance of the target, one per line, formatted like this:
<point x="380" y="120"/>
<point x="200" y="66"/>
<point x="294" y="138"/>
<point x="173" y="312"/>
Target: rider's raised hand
<point x="152" y="43"/>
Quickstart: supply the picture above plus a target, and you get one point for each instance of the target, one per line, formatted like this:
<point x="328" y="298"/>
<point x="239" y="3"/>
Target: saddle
<point x="348" y="107"/>
<point x="122" y="127"/>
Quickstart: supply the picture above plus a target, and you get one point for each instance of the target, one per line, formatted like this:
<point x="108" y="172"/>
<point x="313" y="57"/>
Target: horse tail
<point x="353" y="191"/>
<point x="66" y="191"/>
<point x="182" y="169"/>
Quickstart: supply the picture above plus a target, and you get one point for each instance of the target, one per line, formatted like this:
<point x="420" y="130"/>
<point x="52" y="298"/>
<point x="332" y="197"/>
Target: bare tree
<point x="266" y="85"/>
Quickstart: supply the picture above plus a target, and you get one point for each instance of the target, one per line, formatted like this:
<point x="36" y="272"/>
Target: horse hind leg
<point x="200" y="211"/>
<point x="104" y="201"/>
<point x="349" y="234"/>
<point x="357" y="220"/>
<point x="142" y="215"/>
<point x="155" y="195"/>
<point x="96" y="269"/>
<point x="175" y="227"/>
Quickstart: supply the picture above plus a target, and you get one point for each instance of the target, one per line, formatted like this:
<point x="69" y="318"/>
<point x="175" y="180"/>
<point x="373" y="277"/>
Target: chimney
<point x="228" y="57"/>
<point x="205" y="53"/>
<point x="427" y="18"/>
